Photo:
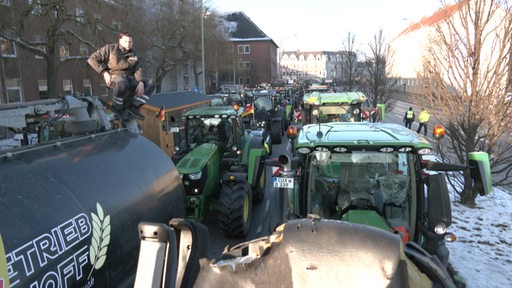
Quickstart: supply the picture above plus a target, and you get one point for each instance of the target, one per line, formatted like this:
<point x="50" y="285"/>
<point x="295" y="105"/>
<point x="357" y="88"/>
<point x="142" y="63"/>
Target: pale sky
<point x="309" y="25"/>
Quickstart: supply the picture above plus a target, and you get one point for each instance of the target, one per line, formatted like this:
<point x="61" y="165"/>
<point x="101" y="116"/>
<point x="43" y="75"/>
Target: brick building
<point x="254" y="53"/>
<point x="24" y="70"/>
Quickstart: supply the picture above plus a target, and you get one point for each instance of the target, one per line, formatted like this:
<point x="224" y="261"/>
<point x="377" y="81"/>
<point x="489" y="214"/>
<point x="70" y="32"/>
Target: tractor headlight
<point x="424" y="151"/>
<point x="440" y="229"/>
<point x="195" y="176"/>
<point x="356" y="111"/>
<point x="304" y="150"/>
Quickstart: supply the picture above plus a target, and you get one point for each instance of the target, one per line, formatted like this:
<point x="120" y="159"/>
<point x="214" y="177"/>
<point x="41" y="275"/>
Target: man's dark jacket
<point x="112" y="59"/>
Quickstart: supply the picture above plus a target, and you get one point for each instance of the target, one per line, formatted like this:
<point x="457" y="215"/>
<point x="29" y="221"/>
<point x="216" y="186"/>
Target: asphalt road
<point x="264" y="217"/>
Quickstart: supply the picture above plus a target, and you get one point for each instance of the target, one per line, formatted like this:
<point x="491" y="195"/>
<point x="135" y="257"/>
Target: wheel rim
<point x="262" y="178"/>
<point x="246" y="208"/>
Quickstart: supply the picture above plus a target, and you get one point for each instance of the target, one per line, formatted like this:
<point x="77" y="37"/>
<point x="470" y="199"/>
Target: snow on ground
<point x="482" y="253"/>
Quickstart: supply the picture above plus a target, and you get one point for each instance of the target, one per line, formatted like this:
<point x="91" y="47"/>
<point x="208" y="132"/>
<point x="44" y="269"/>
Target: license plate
<point x="280" y="182"/>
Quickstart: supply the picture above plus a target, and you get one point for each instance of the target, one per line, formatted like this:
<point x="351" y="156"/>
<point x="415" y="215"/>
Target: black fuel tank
<point x="69" y="210"/>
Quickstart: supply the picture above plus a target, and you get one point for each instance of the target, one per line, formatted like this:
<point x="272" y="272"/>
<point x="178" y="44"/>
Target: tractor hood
<point x="371" y="136"/>
<point x="197" y="158"/>
<point x="366" y="217"/>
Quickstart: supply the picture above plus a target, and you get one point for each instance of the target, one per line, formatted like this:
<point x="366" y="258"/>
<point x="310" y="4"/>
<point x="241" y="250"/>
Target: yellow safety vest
<point x="424" y="116"/>
<point x="410" y="114"/>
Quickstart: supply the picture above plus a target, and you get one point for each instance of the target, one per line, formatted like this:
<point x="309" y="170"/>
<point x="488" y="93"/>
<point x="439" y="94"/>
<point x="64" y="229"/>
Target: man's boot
<point x="138" y="101"/>
<point x="135" y="112"/>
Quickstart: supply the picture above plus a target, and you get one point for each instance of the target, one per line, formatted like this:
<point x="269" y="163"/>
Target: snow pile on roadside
<point x="482" y="253"/>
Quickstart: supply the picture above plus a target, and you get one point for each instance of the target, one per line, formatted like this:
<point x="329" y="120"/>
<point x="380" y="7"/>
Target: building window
<point x="87" y="87"/>
<point x="63" y="53"/>
<point x="40" y="45"/>
<point x="13" y="90"/>
<point x="116" y="25"/>
<point x="36" y="7"/>
<point x="5" y="3"/>
<point x="80" y="15"/>
<point x="84" y="50"/>
<point x="244" y="81"/>
<point x="104" y="89"/>
<point x="244" y="65"/>
<point x="43" y="89"/>
<point x="67" y="86"/>
<point x="97" y="21"/>
<point x="8" y="48"/>
<point x="244" y="49"/>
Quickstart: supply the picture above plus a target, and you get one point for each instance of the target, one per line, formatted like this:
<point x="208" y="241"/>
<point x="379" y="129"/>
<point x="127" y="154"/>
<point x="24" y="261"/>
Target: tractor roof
<point x="360" y="136"/>
<point x="211" y="111"/>
<point x="335" y="98"/>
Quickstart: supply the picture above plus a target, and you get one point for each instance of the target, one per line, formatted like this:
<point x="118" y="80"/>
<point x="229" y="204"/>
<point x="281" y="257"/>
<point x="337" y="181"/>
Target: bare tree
<point x="377" y="80"/>
<point x="350" y="70"/>
<point x="63" y="27"/>
<point x="217" y="51"/>
<point x="164" y="39"/>
<point x="466" y="76"/>
<point x="174" y="38"/>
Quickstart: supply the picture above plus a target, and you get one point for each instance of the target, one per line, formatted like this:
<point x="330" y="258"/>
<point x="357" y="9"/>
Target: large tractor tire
<point x="259" y="189"/>
<point x="276" y="131"/>
<point x="235" y="209"/>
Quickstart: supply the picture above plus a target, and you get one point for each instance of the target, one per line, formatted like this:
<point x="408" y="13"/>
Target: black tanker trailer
<point x="69" y="208"/>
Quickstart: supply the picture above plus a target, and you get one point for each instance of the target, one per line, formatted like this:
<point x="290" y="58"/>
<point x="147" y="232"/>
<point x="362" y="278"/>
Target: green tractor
<point x="374" y="174"/>
<point x="337" y="107"/>
<point x="221" y="166"/>
<point x="270" y="113"/>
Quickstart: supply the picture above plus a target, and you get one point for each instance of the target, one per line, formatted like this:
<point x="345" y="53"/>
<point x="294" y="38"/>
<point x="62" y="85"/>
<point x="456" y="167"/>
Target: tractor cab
<point x="217" y="130"/>
<point x="380" y="182"/>
<point x="335" y="107"/>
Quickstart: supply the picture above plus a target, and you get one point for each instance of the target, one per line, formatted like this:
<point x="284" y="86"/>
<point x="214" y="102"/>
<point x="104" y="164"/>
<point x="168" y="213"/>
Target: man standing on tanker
<point x="122" y="71"/>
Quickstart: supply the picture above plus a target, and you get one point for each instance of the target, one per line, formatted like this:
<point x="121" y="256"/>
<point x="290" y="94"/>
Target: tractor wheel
<point x="259" y="189"/>
<point x="235" y="209"/>
<point x="275" y="133"/>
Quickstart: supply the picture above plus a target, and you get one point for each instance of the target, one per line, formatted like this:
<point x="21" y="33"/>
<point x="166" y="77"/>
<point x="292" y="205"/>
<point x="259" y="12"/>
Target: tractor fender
<point x="253" y="158"/>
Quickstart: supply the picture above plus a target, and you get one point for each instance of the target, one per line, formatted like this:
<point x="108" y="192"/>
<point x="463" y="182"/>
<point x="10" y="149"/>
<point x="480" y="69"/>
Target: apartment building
<point x="323" y="66"/>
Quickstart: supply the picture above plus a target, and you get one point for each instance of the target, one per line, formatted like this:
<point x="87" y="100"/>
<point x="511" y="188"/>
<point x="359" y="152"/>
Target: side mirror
<point x="439" y="208"/>
<point x="480" y="170"/>
<point x="479" y="167"/>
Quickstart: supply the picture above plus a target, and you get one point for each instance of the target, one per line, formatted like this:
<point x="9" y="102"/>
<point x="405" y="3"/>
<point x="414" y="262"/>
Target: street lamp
<point x="202" y="50"/>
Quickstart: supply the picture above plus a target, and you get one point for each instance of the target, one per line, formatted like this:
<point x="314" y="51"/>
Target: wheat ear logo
<point x="100" y="239"/>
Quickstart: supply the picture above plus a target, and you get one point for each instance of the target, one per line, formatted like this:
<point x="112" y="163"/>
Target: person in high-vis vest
<point x="409" y="118"/>
<point x="423" y="119"/>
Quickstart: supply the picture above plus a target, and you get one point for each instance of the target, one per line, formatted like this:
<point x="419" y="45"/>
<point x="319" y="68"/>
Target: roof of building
<point x="176" y="100"/>
<point x="243" y="29"/>
<point x="438" y="16"/>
